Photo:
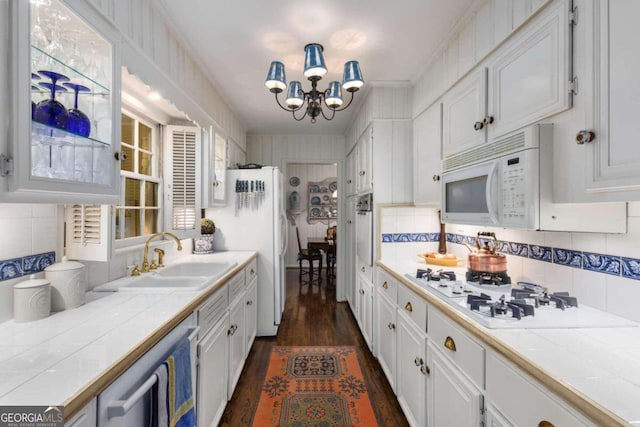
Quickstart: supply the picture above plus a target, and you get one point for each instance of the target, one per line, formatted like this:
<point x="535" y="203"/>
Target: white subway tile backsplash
<point x="590" y="288"/>
<point x="16" y="236"/>
<point x="588" y="242"/>
<point x="532" y="271"/>
<point x="625" y="244"/>
<point x="45" y="231"/>
<point x="557" y="277"/>
<point x="558" y="239"/>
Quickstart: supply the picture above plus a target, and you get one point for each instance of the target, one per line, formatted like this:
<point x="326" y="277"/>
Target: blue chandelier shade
<point x="333" y="96"/>
<point x="276" y="80"/>
<point x="314" y="65"/>
<point x="295" y="95"/>
<point x="352" y="78"/>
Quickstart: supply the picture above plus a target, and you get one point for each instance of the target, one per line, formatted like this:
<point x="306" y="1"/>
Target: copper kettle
<point x="485" y="258"/>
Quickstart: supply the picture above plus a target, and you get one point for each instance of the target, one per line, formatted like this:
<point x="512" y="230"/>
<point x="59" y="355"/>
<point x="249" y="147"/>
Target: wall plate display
<point x="294" y="181"/>
<point x="323" y="203"/>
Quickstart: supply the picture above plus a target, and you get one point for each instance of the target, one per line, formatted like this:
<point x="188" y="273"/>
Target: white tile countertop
<point x="48" y="361"/>
<point x="603" y="364"/>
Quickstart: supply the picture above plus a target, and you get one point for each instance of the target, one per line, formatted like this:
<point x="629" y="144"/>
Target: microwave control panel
<point x="517" y="190"/>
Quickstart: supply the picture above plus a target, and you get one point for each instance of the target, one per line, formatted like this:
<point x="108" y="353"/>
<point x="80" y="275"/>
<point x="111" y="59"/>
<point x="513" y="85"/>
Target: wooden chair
<point x="331" y="252"/>
<point x="310" y="257"/>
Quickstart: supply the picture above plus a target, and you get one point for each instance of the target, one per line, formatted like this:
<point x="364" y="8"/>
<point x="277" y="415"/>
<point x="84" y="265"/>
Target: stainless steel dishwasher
<point x="127" y="401"/>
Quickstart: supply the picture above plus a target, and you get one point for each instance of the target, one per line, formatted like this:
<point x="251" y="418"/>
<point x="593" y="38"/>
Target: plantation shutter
<point x="182" y="161"/>
<point x="87" y="232"/>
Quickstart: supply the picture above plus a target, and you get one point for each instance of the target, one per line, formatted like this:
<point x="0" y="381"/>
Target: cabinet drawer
<point x="365" y="270"/>
<point x="457" y="346"/>
<point x="212" y="310"/>
<point x="522" y="400"/>
<point x="251" y="271"/>
<point x="387" y="285"/>
<point x="235" y="286"/>
<point x="413" y="306"/>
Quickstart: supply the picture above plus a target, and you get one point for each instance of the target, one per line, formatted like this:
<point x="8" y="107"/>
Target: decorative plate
<point x="294" y="181"/>
<point x="325" y="198"/>
<point x="316" y="212"/>
<point x="315" y="200"/>
<point x="315" y="189"/>
<point x="333" y="186"/>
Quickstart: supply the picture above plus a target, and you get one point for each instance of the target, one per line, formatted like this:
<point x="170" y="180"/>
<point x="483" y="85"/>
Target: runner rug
<point x="314" y="387"/>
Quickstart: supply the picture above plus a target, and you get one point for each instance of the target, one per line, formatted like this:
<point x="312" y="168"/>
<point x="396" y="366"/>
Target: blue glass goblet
<point x="78" y="122"/>
<point x="34" y="76"/>
<point x="51" y="112"/>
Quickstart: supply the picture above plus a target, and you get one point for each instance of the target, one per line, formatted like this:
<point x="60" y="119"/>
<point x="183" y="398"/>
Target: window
<point x="138" y="213"/>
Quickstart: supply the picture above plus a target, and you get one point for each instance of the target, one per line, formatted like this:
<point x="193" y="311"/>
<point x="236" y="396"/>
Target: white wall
<point x="273" y="150"/>
<point x="26" y="229"/>
<point x="305" y="172"/>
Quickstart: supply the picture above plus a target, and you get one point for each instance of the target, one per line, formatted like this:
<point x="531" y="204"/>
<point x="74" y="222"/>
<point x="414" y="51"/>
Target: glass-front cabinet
<point x="65" y="139"/>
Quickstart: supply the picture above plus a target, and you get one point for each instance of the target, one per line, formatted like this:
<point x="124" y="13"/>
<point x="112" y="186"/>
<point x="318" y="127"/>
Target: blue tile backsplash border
<point x="30" y="264"/>
<point x="599" y="263"/>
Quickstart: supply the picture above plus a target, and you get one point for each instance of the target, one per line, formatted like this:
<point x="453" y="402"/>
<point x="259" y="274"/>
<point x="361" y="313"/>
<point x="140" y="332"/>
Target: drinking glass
<point x="51" y="112"/>
<point x="78" y="122"/>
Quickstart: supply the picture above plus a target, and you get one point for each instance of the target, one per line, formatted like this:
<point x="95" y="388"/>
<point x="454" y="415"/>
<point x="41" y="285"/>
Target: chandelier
<point x="314" y="69"/>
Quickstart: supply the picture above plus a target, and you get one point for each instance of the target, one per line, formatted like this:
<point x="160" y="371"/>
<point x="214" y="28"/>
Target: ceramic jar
<point x="31" y="299"/>
<point x="203" y="244"/>
<point x="68" y="285"/>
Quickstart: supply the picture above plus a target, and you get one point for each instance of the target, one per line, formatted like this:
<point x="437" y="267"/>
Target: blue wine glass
<point x="34" y="76"/>
<point x="78" y="122"/>
<point x="49" y="111"/>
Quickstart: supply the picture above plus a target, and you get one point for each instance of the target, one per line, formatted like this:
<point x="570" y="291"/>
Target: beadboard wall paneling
<point x="155" y="54"/>
<point x="273" y="150"/>
<point x="305" y="172"/>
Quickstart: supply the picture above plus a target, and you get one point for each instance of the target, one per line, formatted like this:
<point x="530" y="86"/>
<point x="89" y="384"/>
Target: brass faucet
<point x="145" y="258"/>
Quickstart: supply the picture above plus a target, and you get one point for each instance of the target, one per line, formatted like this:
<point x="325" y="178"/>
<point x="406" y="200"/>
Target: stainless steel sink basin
<point x="196" y="269"/>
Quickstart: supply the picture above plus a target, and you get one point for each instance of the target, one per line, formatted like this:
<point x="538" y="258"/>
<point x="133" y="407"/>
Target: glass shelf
<point x="48" y="135"/>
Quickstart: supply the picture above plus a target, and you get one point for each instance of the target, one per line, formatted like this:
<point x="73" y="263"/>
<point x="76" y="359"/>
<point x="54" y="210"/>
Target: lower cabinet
<point x="236" y="334"/>
<point x="87" y="417"/>
<point x="251" y="315"/>
<point x="452" y="400"/>
<point x="411" y="357"/>
<point x="385" y="327"/>
<point x="213" y="374"/>
<point x="364" y="308"/>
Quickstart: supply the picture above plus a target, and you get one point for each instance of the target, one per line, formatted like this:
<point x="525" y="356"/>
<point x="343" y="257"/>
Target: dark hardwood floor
<point x="312" y="317"/>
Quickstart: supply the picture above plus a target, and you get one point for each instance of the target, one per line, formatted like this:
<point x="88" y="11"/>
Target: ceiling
<point x="236" y="41"/>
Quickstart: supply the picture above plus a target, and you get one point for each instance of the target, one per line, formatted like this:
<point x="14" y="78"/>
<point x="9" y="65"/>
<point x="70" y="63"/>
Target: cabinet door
<point x="427" y="153"/>
<point x="350" y="254"/>
<point x="213" y="374"/>
<point x="385" y="327"/>
<point x="236" y="334"/>
<point x="364" y="308"/>
<point x="464" y="108"/>
<point x="87" y="417"/>
<point x="452" y="400"/>
<point x="529" y="79"/>
<point x="63" y="107"/>
<point x="614" y="153"/>
<point x="251" y="314"/>
<point x="351" y="173"/>
<point x="495" y="418"/>
<point x="365" y="161"/>
<point x="219" y="165"/>
<point x="411" y="356"/>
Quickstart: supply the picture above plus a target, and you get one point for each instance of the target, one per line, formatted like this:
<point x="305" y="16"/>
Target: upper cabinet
<point x="528" y="79"/>
<point x="215" y="149"/>
<point x="427" y="142"/>
<point x="364" y="162"/>
<point x="64" y="106"/>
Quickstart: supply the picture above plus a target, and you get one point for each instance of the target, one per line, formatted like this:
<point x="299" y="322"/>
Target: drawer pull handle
<point x="252" y="271"/>
<point x="385" y="285"/>
<point x="425" y="370"/>
<point x="450" y="344"/>
<point x="409" y="307"/>
<point x="249" y="302"/>
<point x="418" y="361"/>
<point x="361" y="291"/>
<point x="362" y="268"/>
<point x="391" y="326"/>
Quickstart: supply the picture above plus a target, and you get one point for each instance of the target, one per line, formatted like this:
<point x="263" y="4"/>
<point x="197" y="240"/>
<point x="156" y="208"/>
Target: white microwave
<point x="498" y="184"/>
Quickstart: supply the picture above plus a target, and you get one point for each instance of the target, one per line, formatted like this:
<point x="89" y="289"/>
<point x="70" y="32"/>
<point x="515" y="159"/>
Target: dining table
<point x="328" y="247"/>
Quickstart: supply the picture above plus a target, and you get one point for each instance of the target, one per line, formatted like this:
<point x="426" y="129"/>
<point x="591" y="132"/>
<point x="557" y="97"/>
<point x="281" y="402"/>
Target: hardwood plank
<point x="312" y="317"/>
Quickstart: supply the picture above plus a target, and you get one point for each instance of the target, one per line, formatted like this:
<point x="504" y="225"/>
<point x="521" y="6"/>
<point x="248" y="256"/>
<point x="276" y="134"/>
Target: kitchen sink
<point x="196" y="269"/>
<point x="159" y="282"/>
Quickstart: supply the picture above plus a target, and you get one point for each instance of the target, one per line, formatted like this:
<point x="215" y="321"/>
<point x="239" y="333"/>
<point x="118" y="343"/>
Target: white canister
<point x="68" y="285"/>
<point x="31" y="299"/>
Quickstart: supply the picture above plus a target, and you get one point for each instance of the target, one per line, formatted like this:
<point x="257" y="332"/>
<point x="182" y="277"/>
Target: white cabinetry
<point x="452" y="400"/>
<point x="528" y="79"/>
<point x="351" y="167"/>
<point x="364" y="307"/>
<point x="87" y="417"/>
<point x="350" y="254"/>
<point x="385" y="330"/>
<point x="51" y="154"/>
<point x="214" y="167"/>
<point x="427" y="149"/>
<point x="519" y="399"/>
<point x="213" y="374"/>
<point x="251" y="314"/>
<point x="364" y="161"/>
<point x="411" y="359"/>
<point x="236" y="341"/>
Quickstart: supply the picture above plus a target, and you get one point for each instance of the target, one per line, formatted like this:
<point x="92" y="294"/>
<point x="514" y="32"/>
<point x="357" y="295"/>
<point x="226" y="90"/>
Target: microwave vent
<point x="497" y="148"/>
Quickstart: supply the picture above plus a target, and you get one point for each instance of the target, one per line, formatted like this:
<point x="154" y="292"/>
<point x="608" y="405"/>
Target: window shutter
<point x="87" y="232"/>
<point x="182" y="161"/>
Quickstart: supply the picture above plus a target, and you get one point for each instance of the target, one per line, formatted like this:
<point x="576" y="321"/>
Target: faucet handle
<point x="153" y="265"/>
<point x="160" y="253"/>
<point x="135" y="271"/>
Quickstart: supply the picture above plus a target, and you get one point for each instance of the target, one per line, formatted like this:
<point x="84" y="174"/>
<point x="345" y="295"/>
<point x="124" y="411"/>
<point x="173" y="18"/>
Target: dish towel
<point x="175" y="406"/>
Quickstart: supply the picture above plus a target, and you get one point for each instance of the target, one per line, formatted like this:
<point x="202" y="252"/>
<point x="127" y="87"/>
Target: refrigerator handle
<point x="285" y="233"/>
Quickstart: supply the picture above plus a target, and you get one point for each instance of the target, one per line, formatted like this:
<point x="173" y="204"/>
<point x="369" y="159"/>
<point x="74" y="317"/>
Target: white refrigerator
<point x="254" y="219"/>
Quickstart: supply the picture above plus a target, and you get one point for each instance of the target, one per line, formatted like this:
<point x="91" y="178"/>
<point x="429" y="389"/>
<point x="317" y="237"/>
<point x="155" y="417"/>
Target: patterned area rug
<point x="314" y="387"/>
